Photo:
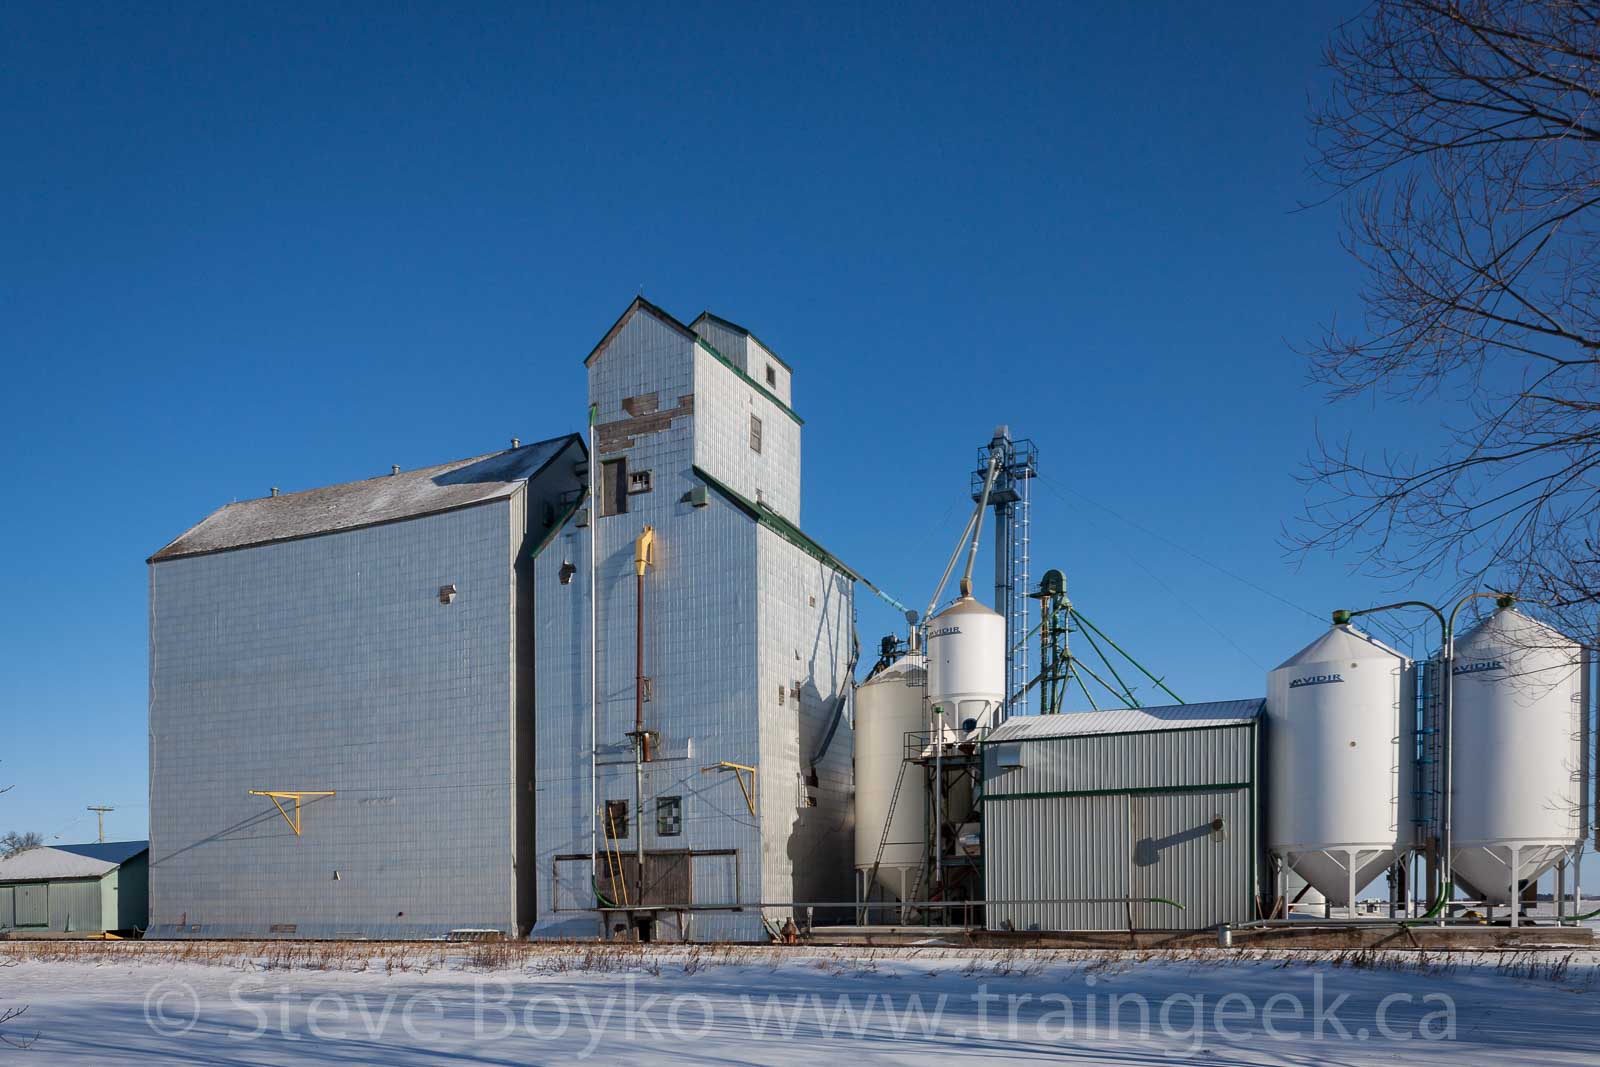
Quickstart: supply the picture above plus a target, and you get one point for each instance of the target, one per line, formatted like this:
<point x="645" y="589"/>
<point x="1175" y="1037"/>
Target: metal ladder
<point x="883" y="839"/>
<point x="1017" y="627"/>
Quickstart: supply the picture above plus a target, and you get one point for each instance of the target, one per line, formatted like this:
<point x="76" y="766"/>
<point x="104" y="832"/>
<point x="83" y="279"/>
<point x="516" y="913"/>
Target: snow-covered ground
<point x="107" y="1004"/>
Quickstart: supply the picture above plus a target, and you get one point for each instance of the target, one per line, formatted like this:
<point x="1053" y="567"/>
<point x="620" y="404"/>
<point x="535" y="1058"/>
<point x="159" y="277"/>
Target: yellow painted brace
<point x="739" y="771"/>
<point x="277" y="796"/>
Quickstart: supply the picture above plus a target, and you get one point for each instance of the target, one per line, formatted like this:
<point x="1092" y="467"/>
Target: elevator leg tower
<point x="1010" y="498"/>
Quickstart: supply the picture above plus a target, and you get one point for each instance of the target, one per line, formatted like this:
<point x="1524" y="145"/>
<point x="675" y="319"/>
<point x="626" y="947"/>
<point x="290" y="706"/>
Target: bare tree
<point x="1464" y="142"/>
<point x="13" y="843"/>
<point x="8" y="1015"/>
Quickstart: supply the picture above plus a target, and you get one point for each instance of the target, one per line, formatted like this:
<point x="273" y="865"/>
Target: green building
<point x="76" y="889"/>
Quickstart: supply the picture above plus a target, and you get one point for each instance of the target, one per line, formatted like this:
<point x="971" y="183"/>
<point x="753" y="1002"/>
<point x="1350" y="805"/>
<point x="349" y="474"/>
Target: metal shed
<point x="1141" y="819"/>
<point x="76" y="888"/>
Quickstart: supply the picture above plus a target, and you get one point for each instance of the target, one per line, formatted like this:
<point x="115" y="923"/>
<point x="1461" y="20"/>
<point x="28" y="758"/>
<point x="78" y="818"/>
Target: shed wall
<point x="1123" y="825"/>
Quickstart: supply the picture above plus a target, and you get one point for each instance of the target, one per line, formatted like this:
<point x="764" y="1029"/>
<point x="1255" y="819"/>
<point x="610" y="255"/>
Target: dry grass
<point x="574" y="958"/>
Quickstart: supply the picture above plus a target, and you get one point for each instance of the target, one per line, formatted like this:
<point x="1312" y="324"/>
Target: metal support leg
<point x="1516" y="890"/>
<point x="1561" y="892"/>
<point x="1350" y="877"/>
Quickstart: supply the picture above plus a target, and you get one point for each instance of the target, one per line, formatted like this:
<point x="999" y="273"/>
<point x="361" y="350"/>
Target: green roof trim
<point x="780" y="526"/>
<point x="757" y="386"/>
<point x="561" y="521"/>
<point x="736" y="328"/>
<point x="1131" y="791"/>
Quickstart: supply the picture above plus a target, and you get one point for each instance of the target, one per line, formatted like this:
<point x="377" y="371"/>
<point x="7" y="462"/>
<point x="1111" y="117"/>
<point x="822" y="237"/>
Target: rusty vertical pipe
<point x="643" y="557"/>
<point x="638" y="671"/>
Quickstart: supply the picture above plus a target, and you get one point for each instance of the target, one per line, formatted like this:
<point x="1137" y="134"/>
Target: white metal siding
<point x="700" y="611"/>
<point x="329" y="663"/>
<point x="728" y="616"/>
<point x="806" y="618"/>
<point x="723" y="406"/>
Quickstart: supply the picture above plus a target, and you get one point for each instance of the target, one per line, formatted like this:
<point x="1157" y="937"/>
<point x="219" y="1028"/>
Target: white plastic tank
<point x="1341" y="722"/>
<point x="1521" y="739"/>
<point x="889" y="705"/>
<point x="967" y="663"/>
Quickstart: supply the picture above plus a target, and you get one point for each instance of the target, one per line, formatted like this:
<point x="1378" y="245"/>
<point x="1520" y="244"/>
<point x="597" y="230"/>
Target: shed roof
<point x="110" y="851"/>
<point x="409" y="494"/>
<point x="1130" y="720"/>
<point x="68" y="861"/>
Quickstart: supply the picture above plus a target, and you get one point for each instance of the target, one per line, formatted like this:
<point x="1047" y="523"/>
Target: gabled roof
<point x="68" y="861"/>
<point x="352" y="505"/>
<point x="734" y="326"/>
<point x="639" y="304"/>
<point x="1130" y="720"/>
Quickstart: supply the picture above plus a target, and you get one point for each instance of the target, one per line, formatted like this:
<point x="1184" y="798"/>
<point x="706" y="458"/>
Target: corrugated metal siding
<point x="75" y="905"/>
<point x="1129" y="720"/>
<point x="33" y="904"/>
<point x="1073" y="848"/>
<point x="1178" y="857"/>
<point x="1124" y="761"/>
<point x="1139" y="827"/>
<point x="8" y="913"/>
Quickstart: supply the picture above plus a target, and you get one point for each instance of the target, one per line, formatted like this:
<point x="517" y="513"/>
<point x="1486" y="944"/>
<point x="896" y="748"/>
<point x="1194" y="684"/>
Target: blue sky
<point x="291" y="246"/>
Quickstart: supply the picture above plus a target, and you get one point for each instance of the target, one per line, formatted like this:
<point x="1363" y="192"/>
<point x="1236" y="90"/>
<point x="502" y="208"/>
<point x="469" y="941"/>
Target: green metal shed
<point x="92" y="888"/>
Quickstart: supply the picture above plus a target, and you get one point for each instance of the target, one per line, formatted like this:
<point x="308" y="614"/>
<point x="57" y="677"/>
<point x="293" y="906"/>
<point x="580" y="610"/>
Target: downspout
<point x="977" y="521"/>
<point x="966" y="531"/>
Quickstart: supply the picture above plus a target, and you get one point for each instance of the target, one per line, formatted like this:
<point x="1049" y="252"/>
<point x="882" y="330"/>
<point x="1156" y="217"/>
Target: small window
<point x="772" y="375"/>
<point x="616" y="826"/>
<point x="639" y="482"/>
<point x="669" y="816"/>
<point x="613" y="487"/>
<point x="755" y="434"/>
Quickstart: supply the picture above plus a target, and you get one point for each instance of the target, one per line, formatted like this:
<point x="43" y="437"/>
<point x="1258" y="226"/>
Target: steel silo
<point x="1520" y="748"/>
<point x="1341" y="718"/>
<point x="891" y="795"/>
<point x="967" y="663"/>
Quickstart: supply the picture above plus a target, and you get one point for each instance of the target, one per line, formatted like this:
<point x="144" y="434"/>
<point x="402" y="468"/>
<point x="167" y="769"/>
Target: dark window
<point x="669" y="816"/>
<point x="755" y="434"/>
<point x="772" y="374"/>
<point x="616" y="819"/>
<point x="613" y="487"/>
<point x="639" y="482"/>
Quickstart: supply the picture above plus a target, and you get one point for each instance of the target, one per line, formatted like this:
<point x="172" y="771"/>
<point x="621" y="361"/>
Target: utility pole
<point x="100" y="811"/>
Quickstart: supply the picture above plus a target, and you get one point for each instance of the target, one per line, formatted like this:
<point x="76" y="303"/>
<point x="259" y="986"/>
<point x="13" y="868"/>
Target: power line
<point x="1173" y="593"/>
<point x="1397" y="637"/>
